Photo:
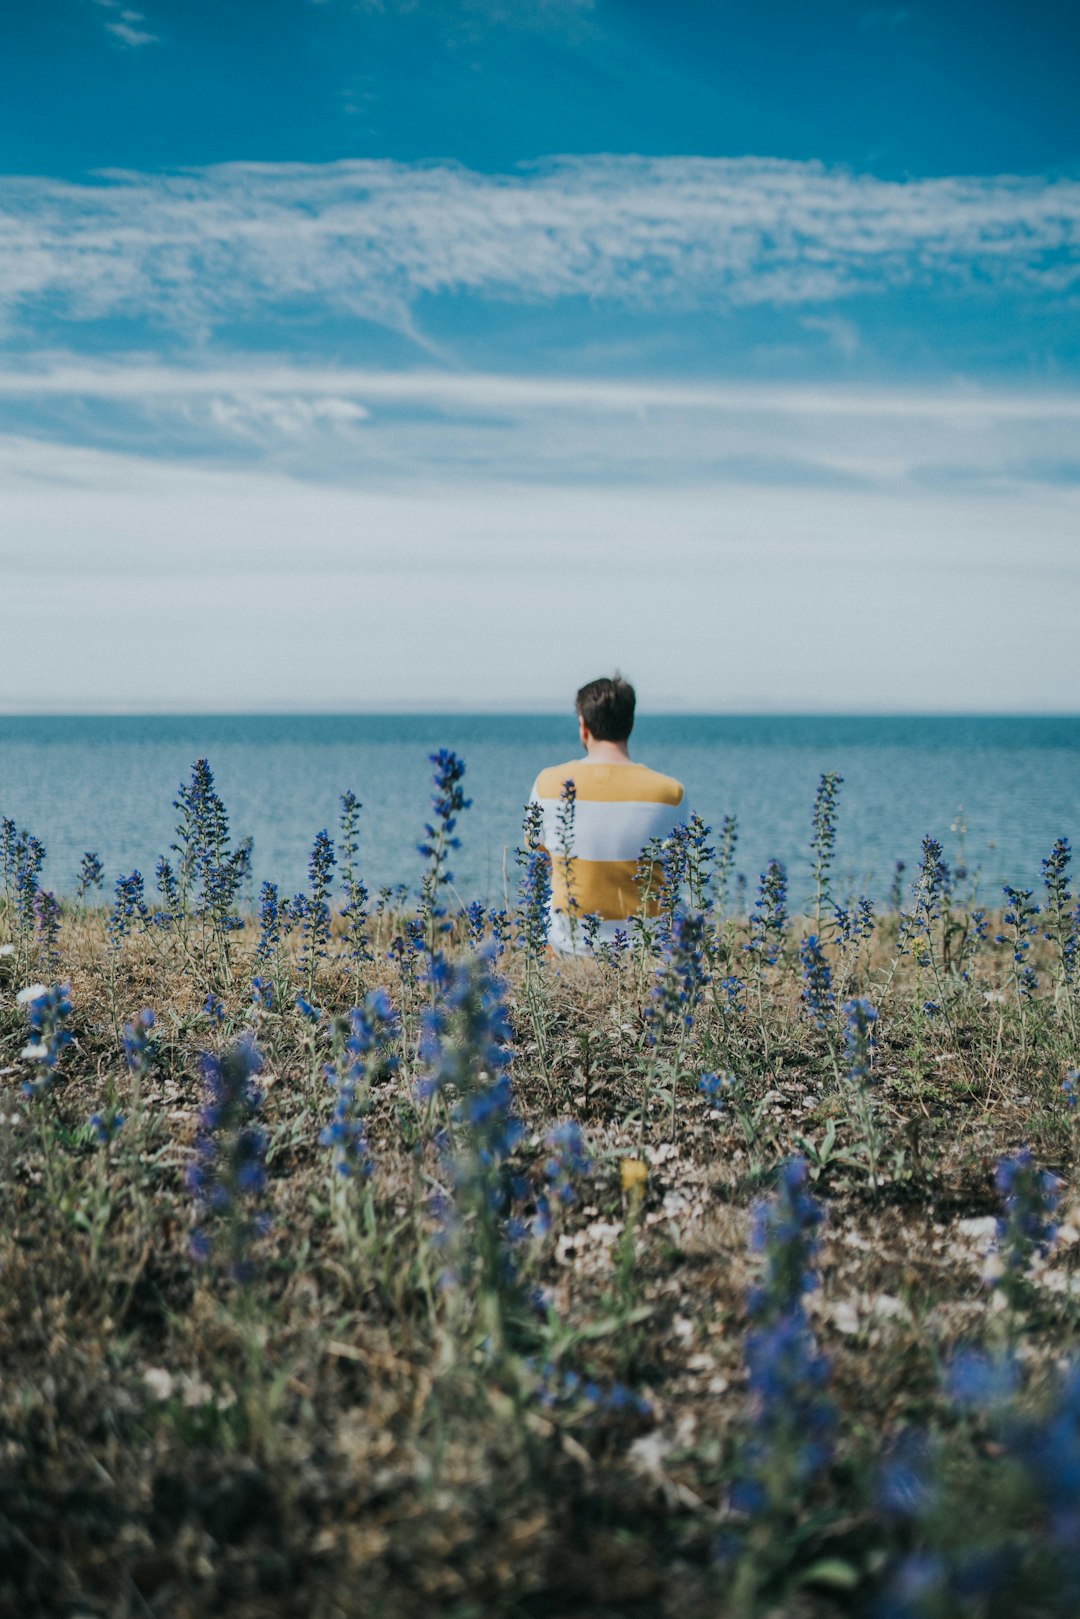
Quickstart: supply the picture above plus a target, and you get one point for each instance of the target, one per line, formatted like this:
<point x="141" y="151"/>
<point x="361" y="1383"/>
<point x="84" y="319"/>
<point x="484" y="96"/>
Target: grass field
<point x="395" y="1267"/>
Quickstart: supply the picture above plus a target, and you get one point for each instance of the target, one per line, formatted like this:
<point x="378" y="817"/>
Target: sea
<point x="996" y="791"/>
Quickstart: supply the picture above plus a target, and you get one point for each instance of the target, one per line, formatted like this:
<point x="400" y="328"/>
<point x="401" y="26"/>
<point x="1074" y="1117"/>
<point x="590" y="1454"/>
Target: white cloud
<point x="344" y="425"/>
<point x="141" y="379"/>
<point x="251" y="415"/>
<point x="125" y="27"/>
<point x="371" y="239"/>
<point x="128" y="35"/>
<point x="842" y="334"/>
<point x="167" y="585"/>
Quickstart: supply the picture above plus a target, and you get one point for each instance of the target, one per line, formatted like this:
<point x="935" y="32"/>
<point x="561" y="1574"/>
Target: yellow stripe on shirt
<point x="610" y="784"/>
<point x="604" y="886"/>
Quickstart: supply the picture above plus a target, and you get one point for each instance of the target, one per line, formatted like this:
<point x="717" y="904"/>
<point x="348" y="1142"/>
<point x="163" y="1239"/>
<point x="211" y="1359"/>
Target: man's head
<point x="606" y="709"/>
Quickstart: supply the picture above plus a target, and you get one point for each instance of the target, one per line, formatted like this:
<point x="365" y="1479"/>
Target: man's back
<point x="617" y="809"/>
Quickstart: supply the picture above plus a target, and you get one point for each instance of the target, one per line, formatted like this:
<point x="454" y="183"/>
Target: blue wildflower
<point x="214" y="1008"/>
<point x="680" y="979"/>
<point x="817" y="993"/>
<point x="859" y="1039"/>
<point x="448" y="801"/>
<point x="564" y="835"/>
<point x="169" y="888"/>
<point x="1030" y="1198"/>
<point x="47" y="1012"/>
<point x="823" y="842"/>
<point x="674" y="875"/>
<point x="493" y="1129"/>
<point x="768" y="920"/>
<point x="906" y="1486"/>
<point x="793" y="1420"/>
<point x="107" y="1125"/>
<point x="567" y="1163"/>
<point x="717" y="1089"/>
<point x="783" y="1230"/>
<point x="406" y="948"/>
<point x="564" y="1390"/>
<point x="354" y="913"/>
<point x="1020" y="915"/>
<point x="228" y="1174"/>
<point x="138" y="1046"/>
<point x="47" y="917"/>
<point x="466" y="1054"/>
<point x="932" y="896"/>
<point x="614" y="951"/>
<point x="262" y="994"/>
<point x="209" y="869"/>
<point x="1064" y="921"/>
<point x="977" y="1381"/>
<point x="475" y="921"/>
<point x="270" y="922"/>
<point x="534" y="892"/>
<point x="91" y="874"/>
<point x="466" y="1037"/>
<point x="129" y="908"/>
<point x="855" y="925"/>
<point x="699" y="858"/>
<point x="733" y="990"/>
<point x="500" y="931"/>
<point x="23" y="858"/>
<point x="725" y="860"/>
<point x="314" y="908"/>
<point x="363" y="1058"/>
<point x="568" y="1159"/>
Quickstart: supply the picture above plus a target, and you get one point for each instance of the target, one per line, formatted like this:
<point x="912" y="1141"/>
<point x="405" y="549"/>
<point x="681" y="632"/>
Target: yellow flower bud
<point x="634" y="1174"/>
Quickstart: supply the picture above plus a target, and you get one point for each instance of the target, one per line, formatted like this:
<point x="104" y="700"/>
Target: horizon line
<point x="531" y="712"/>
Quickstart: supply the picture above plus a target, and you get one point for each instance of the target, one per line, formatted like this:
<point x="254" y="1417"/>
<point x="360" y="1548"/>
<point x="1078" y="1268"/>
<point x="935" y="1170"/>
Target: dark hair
<point x="607" y="707"/>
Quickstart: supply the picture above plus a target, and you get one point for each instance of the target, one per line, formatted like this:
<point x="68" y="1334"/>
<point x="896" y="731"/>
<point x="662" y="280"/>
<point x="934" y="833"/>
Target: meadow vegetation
<point x="360" y="1257"/>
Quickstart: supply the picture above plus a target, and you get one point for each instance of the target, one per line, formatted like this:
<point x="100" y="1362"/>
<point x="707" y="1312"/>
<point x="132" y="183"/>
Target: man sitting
<point x="616" y="807"/>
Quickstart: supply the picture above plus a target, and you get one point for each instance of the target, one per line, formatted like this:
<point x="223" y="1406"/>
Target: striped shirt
<point x="617" y="810"/>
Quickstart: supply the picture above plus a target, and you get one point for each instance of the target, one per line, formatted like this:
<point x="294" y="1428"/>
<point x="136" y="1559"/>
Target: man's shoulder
<point x="550" y="782"/>
<point x="632" y="783"/>
<point x="653" y="787"/>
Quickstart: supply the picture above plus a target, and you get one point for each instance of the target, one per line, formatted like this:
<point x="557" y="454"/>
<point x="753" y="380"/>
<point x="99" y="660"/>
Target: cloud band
<point x="372" y="239"/>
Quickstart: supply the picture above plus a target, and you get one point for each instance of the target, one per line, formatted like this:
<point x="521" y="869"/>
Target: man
<point x="615" y="807"/>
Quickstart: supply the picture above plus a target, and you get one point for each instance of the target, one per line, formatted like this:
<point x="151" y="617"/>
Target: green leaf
<point x="833" y="1572"/>
<point x="604" y="1329"/>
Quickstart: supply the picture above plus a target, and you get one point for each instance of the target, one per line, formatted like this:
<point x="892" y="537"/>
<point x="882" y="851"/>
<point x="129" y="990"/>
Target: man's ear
<point x="583" y="732"/>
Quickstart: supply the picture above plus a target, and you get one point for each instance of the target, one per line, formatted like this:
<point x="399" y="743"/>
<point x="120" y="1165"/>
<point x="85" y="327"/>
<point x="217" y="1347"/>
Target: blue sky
<point x="381" y="353"/>
<point x="894" y="89"/>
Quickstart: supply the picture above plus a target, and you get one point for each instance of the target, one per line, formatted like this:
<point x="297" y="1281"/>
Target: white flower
<point x="32" y="992"/>
<point x="993" y="1269"/>
<point x="7" y="949"/>
<point x="159" y="1382"/>
<point x="34" y="1053"/>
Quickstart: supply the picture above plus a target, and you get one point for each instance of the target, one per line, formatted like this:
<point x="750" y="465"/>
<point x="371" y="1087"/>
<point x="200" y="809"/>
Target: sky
<point x="393" y="354"/>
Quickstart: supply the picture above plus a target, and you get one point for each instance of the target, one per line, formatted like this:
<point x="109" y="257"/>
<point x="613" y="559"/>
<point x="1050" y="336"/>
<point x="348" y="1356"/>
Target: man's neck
<point x="607" y="753"/>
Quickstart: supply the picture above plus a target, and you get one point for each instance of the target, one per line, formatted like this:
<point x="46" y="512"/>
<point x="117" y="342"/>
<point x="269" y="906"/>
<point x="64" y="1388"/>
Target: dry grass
<point x="324" y="1442"/>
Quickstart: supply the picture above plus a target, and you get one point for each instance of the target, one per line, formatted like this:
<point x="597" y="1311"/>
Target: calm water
<point x="107" y="783"/>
